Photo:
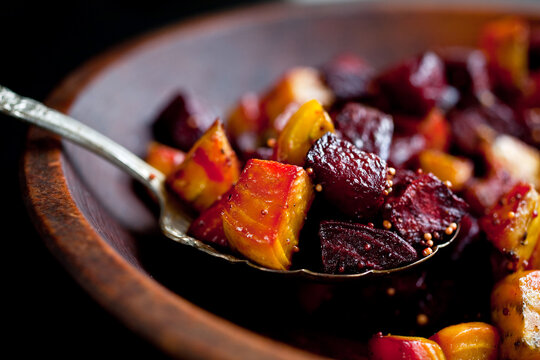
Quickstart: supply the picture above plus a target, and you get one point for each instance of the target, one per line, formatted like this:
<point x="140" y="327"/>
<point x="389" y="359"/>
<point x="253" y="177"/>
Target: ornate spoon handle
<point x="36" y="113"/>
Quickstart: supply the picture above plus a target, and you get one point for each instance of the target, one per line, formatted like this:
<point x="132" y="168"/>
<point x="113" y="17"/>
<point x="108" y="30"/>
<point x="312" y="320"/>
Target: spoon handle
<point x="36" y="113"/>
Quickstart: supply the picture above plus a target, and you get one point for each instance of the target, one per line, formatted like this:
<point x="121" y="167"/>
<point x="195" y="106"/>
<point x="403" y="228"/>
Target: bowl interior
<point x="217" y="60"/>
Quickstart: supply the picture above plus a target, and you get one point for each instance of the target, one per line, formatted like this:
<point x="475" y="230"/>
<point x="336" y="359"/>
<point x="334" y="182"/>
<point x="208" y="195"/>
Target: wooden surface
<point x="104" y="234"/>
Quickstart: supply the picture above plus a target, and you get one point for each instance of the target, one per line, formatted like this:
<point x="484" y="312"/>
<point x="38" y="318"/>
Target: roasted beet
<point x="405" y="150"/>
<point x="367" y="128"/>
<point x="349" y="178"/>
<point x="348" y="76"/>
<point x="208" y="227"/>
<point x="424" y="206"/>
<point x="481" y="194"/>
<point x="466" y="70"/>
<point x="352" y="248"/>
<point x="414" y="86"/>
<point x="470" y="126"/>
<point x="182" y="122"/>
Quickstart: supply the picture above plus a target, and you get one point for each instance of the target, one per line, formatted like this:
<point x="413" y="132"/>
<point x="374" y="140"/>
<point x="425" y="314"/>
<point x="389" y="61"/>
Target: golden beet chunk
<point x="297" y="85"/>
<point x="447" y="167"/>
<point x="515" y="310"/>
<point x="164" y="158"/>
<point x="306" y="126"/>
<point x="393" y="347"/>
<point x="209" y="170"/>
<point x="520" y="160"/>
<point x="469" y="341"/>
<point x="509" y="222"/>
<point x="505" y="43"/>
<point x="266" y="211"/>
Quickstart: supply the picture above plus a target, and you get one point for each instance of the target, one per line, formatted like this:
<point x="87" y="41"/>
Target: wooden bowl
<point x="93" y="219"/>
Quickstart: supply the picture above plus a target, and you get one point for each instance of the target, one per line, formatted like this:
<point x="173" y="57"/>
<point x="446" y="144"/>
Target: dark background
<point x="44" y="311"/>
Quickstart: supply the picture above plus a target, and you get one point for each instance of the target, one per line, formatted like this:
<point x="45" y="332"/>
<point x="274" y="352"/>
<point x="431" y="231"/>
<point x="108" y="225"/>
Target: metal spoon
<point x="173" y="219"/>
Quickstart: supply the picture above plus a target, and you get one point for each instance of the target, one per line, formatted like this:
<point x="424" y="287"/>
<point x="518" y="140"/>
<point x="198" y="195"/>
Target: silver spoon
<point x="173" y="219"/>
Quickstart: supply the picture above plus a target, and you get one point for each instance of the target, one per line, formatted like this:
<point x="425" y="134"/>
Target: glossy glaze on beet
<point x="422" y="205"/>
<point x="182" y="122"/>
<point x="351" y="247"/>
<point x="350" y="179"/>
<point x="414" y="86"/>
<point x="369" y="129"/>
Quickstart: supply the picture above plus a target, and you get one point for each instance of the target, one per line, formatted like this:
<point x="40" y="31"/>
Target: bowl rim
<point x="152" y="311"/>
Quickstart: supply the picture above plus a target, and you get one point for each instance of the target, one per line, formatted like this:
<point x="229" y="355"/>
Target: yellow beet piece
<point x="512" y="224"/>
<point x="297" y="85"/>
<point x="447" y="167"/>
<point x="469" y="341"/>
<point x="520" y="160"/>
<point x="515" y="310"/>
<point x="208" y="171"/>
<point x="164" y="158"/>
<point x="305" y="126"/>
<point x="266" y="211"/>
<point x="505" y="43"/>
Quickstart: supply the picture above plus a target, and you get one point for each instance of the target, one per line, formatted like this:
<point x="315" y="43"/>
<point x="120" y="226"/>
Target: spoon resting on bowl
<point x="173" y="218"/>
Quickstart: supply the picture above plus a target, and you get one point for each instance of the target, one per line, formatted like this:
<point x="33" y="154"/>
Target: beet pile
<point x="379" y="162"/>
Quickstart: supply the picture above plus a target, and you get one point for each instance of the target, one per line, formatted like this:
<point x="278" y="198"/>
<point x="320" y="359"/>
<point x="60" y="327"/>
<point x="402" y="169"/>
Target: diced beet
<point x="347" y="76"/>
<point x="352" y="248"/>
<point x="482" y="194"/>
<point x="368" y="128"/>
<point x="414" y="86"/>
<point x="182" y="122"/>
<point x="351" y="179"/>
<point x="208" y="227"/>
<point x="425" y="205"/>
<point x="471" y="125"/>
<point x="405" y="149"/>
<point x="466" y="70"/>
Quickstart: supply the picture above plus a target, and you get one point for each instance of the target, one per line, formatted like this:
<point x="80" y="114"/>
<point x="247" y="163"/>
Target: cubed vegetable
<point x="505" y="43"/>
<point x="393" y="347"/>
<point x="520" y="160"/>
<point x="298" y="85"/>
<point x="306" y="126"/>
<point x="209" y="170"/>
<point x="266" y="211"/>
<point x="164" y="158"/>
<point x="469" y="341"/>
<point x="508" y="223"/>
<point x="515" y="310"/>
<point x="447" y="167"/>
<point x="208" y="227"/>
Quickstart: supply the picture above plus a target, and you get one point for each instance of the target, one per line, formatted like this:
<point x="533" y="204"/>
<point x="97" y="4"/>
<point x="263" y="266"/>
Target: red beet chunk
<point x="471" y="125"/>
<point x="424" y="205"/>
<point x="347" y="76"/>
<point x="466" y="70"/>
<point x="352" y="248"/>
<point x="182" y="122"/>
<point x="482" y="194"/>
<point x="368" y="128"/>
<point x="351" y="179"/>
<point x="208" y="227"/>
<point x="414" y="86"/>
<point x="405" y="149"/>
